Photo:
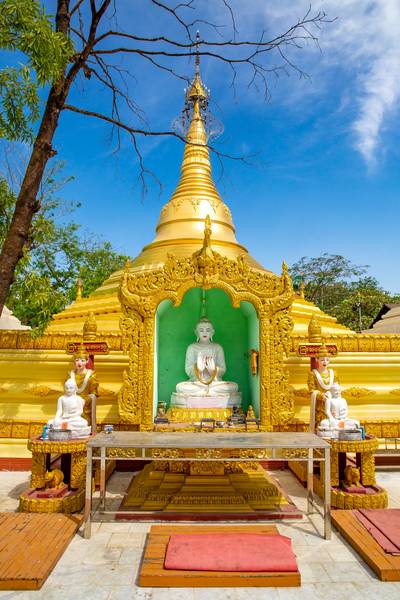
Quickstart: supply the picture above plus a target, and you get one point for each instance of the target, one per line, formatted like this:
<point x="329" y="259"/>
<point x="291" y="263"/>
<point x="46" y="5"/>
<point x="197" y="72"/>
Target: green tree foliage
<point x="25" y="28"/>
<point x="55" y="256"/>
<point x="342" y="289"/>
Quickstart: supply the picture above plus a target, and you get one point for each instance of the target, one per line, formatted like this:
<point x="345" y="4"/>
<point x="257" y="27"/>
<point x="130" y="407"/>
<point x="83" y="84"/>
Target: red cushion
<point x="384" y="526"/>
<point x="230" y="552"/>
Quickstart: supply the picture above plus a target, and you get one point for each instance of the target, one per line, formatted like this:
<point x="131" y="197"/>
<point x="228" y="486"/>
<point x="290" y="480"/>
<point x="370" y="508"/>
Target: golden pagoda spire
<point x="197" y="91"/>
<point x="180" y="228"/>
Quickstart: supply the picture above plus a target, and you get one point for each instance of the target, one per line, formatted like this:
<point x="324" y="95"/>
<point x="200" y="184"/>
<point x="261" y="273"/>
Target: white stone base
<point x="81" y="433"/>
<point x="215" y="401"/>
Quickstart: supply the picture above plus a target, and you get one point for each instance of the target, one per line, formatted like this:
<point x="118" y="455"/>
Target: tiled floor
<point x="106" y="566"/>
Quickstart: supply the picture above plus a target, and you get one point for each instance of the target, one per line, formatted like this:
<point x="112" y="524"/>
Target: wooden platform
<point x="153" y="574"/>
<point x="385" y="565"/>
<point x="30" y="546"/>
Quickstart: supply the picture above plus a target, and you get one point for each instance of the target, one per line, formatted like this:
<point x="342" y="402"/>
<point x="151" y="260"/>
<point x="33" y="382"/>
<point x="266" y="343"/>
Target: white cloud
<point x="363" y="42"/>
<point x="366" y="36"/>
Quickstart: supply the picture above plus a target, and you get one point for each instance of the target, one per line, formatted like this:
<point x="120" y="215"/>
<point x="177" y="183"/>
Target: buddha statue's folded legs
<point x="202" y="389"/>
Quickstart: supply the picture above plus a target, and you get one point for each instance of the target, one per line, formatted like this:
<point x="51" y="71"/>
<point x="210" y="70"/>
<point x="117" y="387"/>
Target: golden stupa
<point x="176" y="268"/>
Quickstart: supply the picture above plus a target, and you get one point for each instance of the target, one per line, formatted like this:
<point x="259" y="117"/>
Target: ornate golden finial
<point x="79" y="285"/>
<point x="323" y="351"/>
<point x="206" y="255"/>
<point x="285" y="278"/>
<point x="206" y="250"/>
<point x="197" y="92"/>
<point x="127" y="265"/>
<point x="314" y="330"/>
<point x="301" y="286"/>
<point x="81" y="352"/>
<point x="197" y="72"/>
<point x="90" y="328"/>
<point x="207" y="231"/>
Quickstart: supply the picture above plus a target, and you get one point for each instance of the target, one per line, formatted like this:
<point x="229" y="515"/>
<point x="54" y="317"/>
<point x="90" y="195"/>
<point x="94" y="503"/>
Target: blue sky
<point x="324" y="170"/>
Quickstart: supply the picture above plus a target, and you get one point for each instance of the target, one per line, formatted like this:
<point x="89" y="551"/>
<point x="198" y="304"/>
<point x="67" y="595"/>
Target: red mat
<point x="384" y="526"/>
<point x="230" y="552"/>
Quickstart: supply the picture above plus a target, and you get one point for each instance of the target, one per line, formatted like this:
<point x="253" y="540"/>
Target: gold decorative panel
<point x="141" y="293"/>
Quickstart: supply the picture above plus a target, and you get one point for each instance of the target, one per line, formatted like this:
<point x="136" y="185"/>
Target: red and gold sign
<point x="311" y="350"/>
<point x="90" y="347"/>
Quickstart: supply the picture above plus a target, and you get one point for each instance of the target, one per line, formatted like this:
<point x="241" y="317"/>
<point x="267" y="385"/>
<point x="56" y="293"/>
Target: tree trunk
<point x="27" y="204"/>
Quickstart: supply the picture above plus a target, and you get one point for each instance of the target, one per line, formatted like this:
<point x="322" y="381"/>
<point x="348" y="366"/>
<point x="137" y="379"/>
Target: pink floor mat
<point x="230" y="552"/>
<point x="384" y="526"/>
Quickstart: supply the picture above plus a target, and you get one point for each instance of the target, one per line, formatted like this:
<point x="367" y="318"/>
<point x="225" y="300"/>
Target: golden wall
<point x="32" y="372"/>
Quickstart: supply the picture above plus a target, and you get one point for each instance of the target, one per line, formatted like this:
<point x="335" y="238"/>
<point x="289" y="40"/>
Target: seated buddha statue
<point x="205" y="367"/>
<point x="336" y="410"/>
<point x="69" y="412"/>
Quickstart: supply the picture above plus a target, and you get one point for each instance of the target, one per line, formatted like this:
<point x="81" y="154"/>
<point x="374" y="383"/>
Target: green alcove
<point x="236" y="329"/>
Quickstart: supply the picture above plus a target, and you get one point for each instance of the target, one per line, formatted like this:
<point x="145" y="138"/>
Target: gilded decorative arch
<point x="141" y="293"/>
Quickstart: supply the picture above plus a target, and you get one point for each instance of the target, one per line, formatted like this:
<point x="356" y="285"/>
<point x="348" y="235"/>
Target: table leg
<point x="310" y="481"/>
<point x="103" y="477"/>
<point x="327" y="494"/>
<point x="87" y="526"/>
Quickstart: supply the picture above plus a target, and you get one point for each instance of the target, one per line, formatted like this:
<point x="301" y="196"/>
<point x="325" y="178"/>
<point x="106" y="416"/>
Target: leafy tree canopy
<point x="342" y="289"/>
<point x="55" y="256"/>
<point x="25" y="28"/>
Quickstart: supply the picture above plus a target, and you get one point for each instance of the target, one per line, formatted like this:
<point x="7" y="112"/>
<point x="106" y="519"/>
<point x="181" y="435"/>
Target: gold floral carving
<point x="51" y="341"/>
<point x="357" y="392"/>
<point x="140" y="294"/>
<point x="355" y="342"/>
<point x="368" y="468"/>
<point x="390" y="430"/>
<point x="166" y="453"/>
<point x="5" y="429"/>
<point x="20" y="430"/>
<point x="38" y="471"/>
<point x="123" y="452"/>
<point x="50" y="447"/>
<point x="42" y="391"/>
<point x="206" y="468"/>
<point x="105" y="393"/>
<point x="78" y="470"/>
<point x="208" y="453"/>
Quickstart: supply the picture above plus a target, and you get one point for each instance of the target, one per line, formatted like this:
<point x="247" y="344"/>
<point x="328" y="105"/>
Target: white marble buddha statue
<point x="336" y="411"/>
<point x="69" y="412"/>
<point x="205" y="367"/>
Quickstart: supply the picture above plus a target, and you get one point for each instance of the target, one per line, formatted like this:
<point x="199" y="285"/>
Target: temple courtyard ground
<point x="106" y="566"/>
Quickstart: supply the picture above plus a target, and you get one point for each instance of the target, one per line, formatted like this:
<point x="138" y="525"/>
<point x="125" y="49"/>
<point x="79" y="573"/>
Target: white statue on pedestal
<point x="336" y="410"/>
<point x="69" y="412"/>
<point x="205" y="367"/>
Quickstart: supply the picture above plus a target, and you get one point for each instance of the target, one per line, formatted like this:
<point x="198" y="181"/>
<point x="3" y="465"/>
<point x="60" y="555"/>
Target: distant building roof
<point x="8" y="321"/>
<point x="387" y="320"/>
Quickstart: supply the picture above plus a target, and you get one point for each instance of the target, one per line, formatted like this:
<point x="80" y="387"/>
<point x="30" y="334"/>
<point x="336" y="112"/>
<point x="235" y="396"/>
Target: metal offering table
<point x="211" y="446"/>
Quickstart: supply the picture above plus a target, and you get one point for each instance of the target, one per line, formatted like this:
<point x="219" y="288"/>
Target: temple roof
<point x="387" y="320"/>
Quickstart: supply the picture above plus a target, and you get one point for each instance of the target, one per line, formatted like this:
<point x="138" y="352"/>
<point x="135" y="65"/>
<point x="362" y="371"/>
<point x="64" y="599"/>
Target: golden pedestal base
<point x="203" y="487"/>
<point x="365" y="461"/>
<point x="73" y="464"/>
<point x="68" y="504"/>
